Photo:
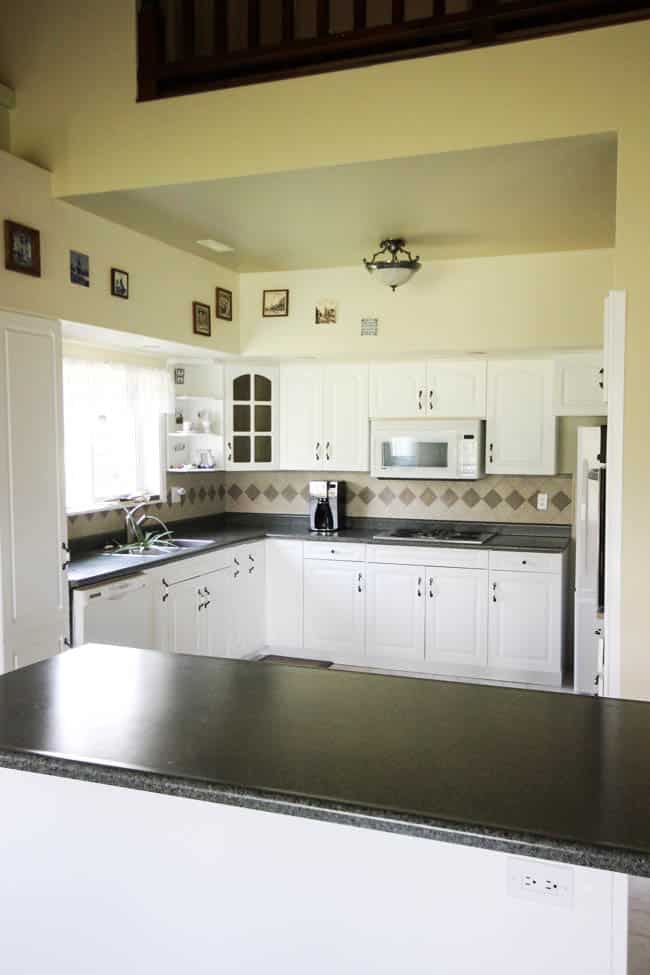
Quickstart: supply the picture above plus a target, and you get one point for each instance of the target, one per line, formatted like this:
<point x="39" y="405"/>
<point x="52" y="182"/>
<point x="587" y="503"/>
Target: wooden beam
<point x="253" y="23"/>
<point x="188" y="28"/>
<point x="322" y="18"/>
<point x="288" y="24"/>
<point x="220" y="29"/>
<point x="151" y="49"/>
<point x="398" y="12"/>
<point x="360" y="14"/>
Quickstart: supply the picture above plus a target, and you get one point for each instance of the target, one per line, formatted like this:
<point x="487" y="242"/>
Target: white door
<point x="33" y="534"/>
<point x="215" y="612"/>
<point x="301" y="416"/>
<point x="346" y="427"/>
<point x="395" y="600"/>
<point x="397" y="390"/>
<point x="284" y="577"/>
<point x="525" y="622"/>
<point x="521" y="425"/>
<point x="251" y="418"/>
<point x="335" y="598"/>
<point x="579" y="385"/>
<point x="456" y="617"/>
<point x="456" y="388"/>
<point x="183" y="623"/>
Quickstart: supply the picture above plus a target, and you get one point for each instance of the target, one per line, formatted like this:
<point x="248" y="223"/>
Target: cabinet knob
<point x="491" y="448"/>
<point x="359" y="581"/>
<point x="494" y="592"/>
<point x="251" y="557"/>
<point x="165" y="597"/>
<point x="229" y="445"/>
<point x="236" y="560"/>
<point x="236" y="573"/>
<point x="524" y="562"/>
<point x="430" y="399"/>
<point x="65" y="565"/>
<point x="327" y="451"/>
<point x="317" y="450"/>
<point x="252" y="569"/>
<point x="420" y="398"/>
<point x="419" y="587"/>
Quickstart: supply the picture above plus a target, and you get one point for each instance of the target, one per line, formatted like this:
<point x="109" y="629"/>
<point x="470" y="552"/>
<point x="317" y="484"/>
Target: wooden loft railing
<point x="196" y="45"/>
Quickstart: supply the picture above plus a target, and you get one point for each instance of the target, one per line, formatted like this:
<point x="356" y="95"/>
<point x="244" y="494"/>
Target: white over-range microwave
<point x="448" y="449"/>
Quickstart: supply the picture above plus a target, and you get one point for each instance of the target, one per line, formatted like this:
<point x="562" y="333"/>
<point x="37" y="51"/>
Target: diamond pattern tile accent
<point x="406" y="496"/>
<point x="449" y="498"/>
<point x="560" y="501"/>
<point x="515" y="500"/>
<point x="235" y="492"/>
<point x="270" y="493"/>
<point x="192" y="495"/>
<point x="252" y="492"/>
<point x="350" y="495"/>
<point x="304" y="494"/>
<point x="386" y="496"/>
<point x="428" y="497"/>
<point x="366" y="495"/>
<point x="221" y="492"/>
<point x="289" y="493"/>
<point x="202" y="493"/>
<point x="471" y="498"/>
<point x="212" y="492"/>
<point x="492" y="499"/>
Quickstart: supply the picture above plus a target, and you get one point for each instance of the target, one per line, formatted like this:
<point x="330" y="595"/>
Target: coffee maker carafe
<point x="325" y="506"/>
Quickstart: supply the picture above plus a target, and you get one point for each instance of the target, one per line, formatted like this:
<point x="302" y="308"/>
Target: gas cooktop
<point x="451" y="536"/>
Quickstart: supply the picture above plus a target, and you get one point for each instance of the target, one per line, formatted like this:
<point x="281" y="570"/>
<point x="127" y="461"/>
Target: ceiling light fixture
<point x="392" y="269"/>
<point x="216" y="245"/>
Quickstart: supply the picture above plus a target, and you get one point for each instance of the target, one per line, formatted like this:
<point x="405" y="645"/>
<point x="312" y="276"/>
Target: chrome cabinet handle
<point x="419" y="587"/>
<point x="431" y="592"/>
<point x="327" y="451"/>
<point x="601" y="373"/>
<point x="65" y="546"/>
<point x="251" y="557"/>
<point x="165" y="583"/>
<point x="206" y="604"/>
<point x="236" y="560"/>
<point x="317" y="450"/>
<point x="236" y="573"/>
<point x="494" y="592"/>
<point x="65" y="565"/>
<point x="491" y="458"/>
<point x="430" y="399"/>
<point x="252" y="569"/>
<point x="229" y="445"/>
<point x="165" y="597"/>
<point x="359" y="581"/>
<point x="420" y="397"/>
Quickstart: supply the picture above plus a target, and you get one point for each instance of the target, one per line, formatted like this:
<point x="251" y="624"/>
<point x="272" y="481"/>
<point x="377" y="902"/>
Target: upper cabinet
<point x="440" y="387"/>
<point x="580" y="384"/>
<point x="324" y="417"/>
<point x="251" y="417"/>
<point x="521" y="425"/>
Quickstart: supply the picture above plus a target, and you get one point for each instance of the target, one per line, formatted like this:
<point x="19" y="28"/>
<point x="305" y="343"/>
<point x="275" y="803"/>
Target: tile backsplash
<point x="505" y="499"/>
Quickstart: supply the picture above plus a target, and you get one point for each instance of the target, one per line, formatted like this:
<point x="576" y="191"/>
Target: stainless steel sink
<point x="159" y="551"/>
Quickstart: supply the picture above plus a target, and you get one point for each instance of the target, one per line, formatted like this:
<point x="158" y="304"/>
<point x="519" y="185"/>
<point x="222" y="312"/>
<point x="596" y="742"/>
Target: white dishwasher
<point x="119" y="613"/>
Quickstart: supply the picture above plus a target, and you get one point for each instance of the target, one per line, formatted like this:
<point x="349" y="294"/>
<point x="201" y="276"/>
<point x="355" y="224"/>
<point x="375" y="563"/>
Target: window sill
<point x="107" y="506"/>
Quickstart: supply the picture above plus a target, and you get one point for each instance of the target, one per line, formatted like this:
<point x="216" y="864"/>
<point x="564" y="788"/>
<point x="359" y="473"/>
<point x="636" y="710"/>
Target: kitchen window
<point x="112" y="431"/>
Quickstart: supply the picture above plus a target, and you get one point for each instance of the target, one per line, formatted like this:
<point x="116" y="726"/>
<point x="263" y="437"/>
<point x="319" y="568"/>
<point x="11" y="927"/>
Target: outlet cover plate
<point x="536" y="880"/>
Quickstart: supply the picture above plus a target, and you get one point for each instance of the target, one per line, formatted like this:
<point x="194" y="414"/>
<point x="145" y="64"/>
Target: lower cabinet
<point x="526" y="625"/>
<point x="247" y="595"/>
<point x="284" y="582"/>
<point x="456" y="617"/>
<point x="395" y="613"/>
<point x="196" y="614"/>
<point x="334" y="609"/>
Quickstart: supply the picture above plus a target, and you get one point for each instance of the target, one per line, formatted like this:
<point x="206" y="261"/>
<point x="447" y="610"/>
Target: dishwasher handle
<point x="118" y="590"/>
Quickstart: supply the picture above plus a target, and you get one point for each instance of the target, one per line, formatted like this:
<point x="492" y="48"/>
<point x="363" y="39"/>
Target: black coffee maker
<point x="326" y="499"/>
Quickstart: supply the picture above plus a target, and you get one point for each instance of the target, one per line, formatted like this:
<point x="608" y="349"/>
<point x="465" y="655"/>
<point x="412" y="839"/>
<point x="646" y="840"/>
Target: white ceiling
<point x="527" y="198"/>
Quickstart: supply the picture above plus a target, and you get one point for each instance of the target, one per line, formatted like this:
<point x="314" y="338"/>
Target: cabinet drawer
<point x="454" y="558"/>
<point x="341" y="551"/>
<point x="527" y="562"/>
<point x="197" y="565"/>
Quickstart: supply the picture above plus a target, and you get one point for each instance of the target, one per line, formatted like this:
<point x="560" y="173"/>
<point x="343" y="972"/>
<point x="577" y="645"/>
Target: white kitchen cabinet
<point x="251" y="417"/>
<point x="456" y="388"/>
<point x="579" y="384"/>
<point x="526" y="626"/>
<point x="248" y="618"/>
<point x="324" y="417"/>
<point x="521" y="423"/>
<point x="456" y="618"/>
<point x="214" y="612"/>
<point x="33" y="535"/>
<point x="395" y="601"/>
<point x="398" y="390"/>
<point x="334" y="607"/>
<point x="284" y="587"/>
<point x="181" y="617"/>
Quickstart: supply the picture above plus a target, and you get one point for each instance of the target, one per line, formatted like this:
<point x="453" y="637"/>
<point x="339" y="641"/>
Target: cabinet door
<point x="335" y="609"/>
<point x="345" y="418"/>
<point x="579" y="383"/>
<point x="525" y="623"/>
<point x="456" y="388"/>
<point x="33" y="541"/>
<point x="247" y="632"/>
<point x="395" y="601"/>
<point x="521" y="425"/>
<point x="457" y="617"/>
<point x="183" y="631"/>
<point x="214" y="612"/>
<point x="251" y="420"/>
<point x="301" y="406"/>
<point x="397" y="390"/>
<point x="284" y="578"/>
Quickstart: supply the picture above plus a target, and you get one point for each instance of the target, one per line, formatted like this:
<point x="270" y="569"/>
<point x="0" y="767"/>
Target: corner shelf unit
<point x="192" y="437"/>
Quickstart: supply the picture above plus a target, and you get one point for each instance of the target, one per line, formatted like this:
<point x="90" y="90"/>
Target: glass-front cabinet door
<point x="251" y="409"/>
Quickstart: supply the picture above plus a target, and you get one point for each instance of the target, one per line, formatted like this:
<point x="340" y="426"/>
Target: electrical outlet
<point x="176" y="495"/>
<point x="542" y="882"/>
<point x="542" y="501"/>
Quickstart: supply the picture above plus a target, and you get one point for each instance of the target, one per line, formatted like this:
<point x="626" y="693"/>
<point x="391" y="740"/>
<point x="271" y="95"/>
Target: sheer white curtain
<point x="112" y="441"/>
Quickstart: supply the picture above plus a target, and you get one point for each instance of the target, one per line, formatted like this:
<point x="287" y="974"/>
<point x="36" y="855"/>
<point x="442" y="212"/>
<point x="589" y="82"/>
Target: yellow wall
<point x="75" y="82"/>
<point x="541" y="301"/>
<point x="163" y="281"/>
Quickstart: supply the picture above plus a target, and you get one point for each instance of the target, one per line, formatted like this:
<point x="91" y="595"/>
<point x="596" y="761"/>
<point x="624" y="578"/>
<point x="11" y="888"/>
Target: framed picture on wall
<point x="119" y="283"/>
<point x="80" y="269"/>
<point x="223" y="304"/>
<point x="22" y="249"/>
<point x="275" y="304"/>
<point x="201" y="318"/>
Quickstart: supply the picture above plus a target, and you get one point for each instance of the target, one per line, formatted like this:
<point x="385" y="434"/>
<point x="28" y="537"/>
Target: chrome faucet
<point x="134" y="525"/>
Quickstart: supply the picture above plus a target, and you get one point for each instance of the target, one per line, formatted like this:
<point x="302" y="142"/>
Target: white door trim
<point x="615" y="322"/>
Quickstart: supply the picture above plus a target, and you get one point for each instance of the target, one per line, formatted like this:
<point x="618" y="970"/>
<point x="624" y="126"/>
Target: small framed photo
<point x="179" y="375"/>
<point x="201" y="318"/>
<point x="223" y="304"/>
<point x="22" y="249"/>
<point x="325" y="313"/>
<point x="275" y="304"/>
<point x="80" y="269"/>
<point x="119" y="283"/>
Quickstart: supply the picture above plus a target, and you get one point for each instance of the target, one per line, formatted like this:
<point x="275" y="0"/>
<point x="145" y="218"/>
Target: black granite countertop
<point x="546" y="775"/>
<point x="92" y="565"/>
